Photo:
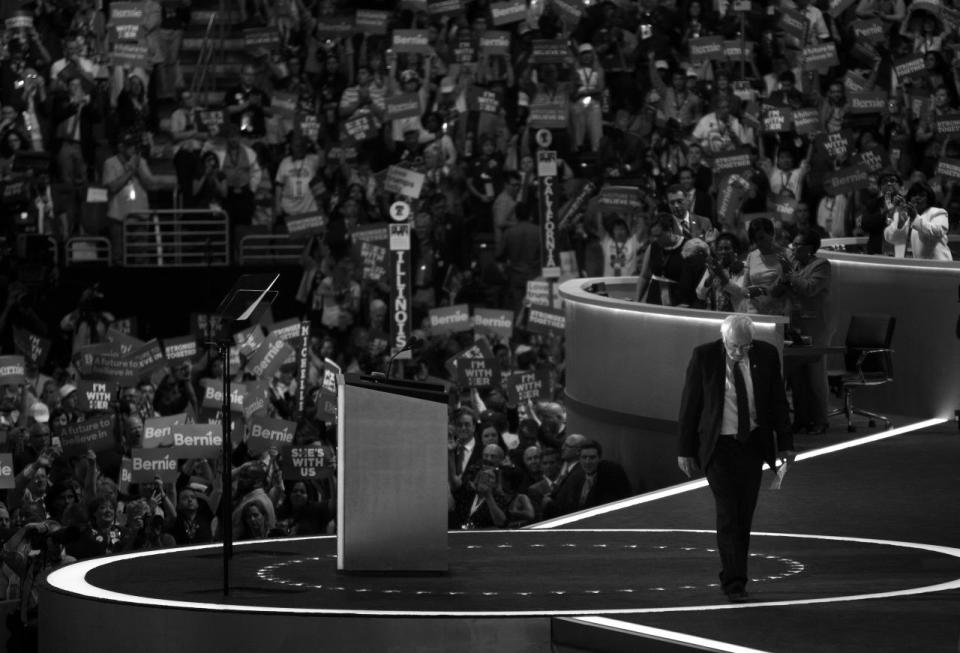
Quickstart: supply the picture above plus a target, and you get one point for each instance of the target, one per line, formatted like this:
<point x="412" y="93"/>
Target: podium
<point x="391" y="476"/>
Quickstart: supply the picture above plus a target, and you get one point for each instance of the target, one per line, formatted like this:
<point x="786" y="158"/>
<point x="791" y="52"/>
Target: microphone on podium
<point x="413" y="342"/>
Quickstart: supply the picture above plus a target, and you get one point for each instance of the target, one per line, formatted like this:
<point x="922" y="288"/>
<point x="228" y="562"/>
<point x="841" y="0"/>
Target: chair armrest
<point x="864" y="353"/>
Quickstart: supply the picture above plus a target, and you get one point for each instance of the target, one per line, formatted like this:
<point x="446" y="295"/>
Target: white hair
<point x="737" y="324"/>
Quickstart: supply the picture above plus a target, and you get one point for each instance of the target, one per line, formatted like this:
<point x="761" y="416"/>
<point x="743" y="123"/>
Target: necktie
<point x="743" y="404"/>
<point x="460" y="456"/>
<point x="585" y="492"/>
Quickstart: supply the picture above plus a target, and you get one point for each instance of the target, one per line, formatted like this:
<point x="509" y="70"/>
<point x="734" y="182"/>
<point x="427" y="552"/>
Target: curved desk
<point x="625" y="370"/>
<point x="923" y="297"/>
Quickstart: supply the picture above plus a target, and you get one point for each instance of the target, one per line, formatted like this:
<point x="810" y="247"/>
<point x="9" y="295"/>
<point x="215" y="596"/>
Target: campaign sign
<point x="784" y="210"/>
<point x="444" y="7"/>
<point x="376" y="234"/>
<point x="478" y="372"/>
<point x="31" y="346"/>
<point x="93" y="396"/>
<point x="197" y="440"/>
<point x="12" y="370"/>
<point x="7" y="477"/>
<point x="309" y="126"/>
<point x="731" y="162"/>
<point x="495" y="42"/>
<point x="793" y="23"/>
<point x="411" y="40"/>
<point x="948" y="124"/>
<point x="335" y="27"/>
<point x="521" y="386"/>
<point x="547" y="195"/>
<point x="267" y="360"/>
<point x="406" y="105"/>
<point x="126" y="343"/>
<point x="401" y="292"/>
<point x="873" y="159"/>
<point x="287" y="330"/>
<point x="846" y="180"/>
<point x="371" y="22"/>
<point x="21" y="20"/>
<point x="265" y="433"/>
<point x="546" y="321"/>
<point x="729" y="200"/>
<point x="305" y="225"/>
<point x="256" y="399"/>
<point x="548" y="115"/>
<point x="403" y="182"/>
<point x="249" y="340"/>
<point x="307" y="463"/>
<point x="213" y="395"/>
<point x="538" y="293"/>
<point x="549" y="51"/>
<point x="777" y="119"/>
<point x="374" y="259"/>
<point x="449" y="319"/>
<point x="130" y="54"/>
<point x="836" y="145"/>
<point x="949" y="168"/>
<point x="179" y="349"/>
<point x="327" y="397"/>
<point x="360" y="128"/>
<point x="867" y="102"/>
<point x="126" y="475"/>
<point x="910" y="67"/>
<point x="505" y="13"/>
<point x="806" y="121"/>
<point x="482" y="99"/>
<point x="126" y="13"/>
<point x="871" y="31"/>
<point x="147" y="464"/>
<point x="706" y="48"/>
<point x="854" y="83"/>
<point x="736" y="51"/>
<point x="820" y="57"/>
<point x="158" y="431"/>
<point x="260" y="37"/>
<point x="95" y="433"/>
<point x="619" y="199"/>
<point x="493" y="321"/>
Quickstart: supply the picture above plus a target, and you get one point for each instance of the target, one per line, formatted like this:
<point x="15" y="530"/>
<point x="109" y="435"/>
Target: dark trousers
<point x="734" y="476"/>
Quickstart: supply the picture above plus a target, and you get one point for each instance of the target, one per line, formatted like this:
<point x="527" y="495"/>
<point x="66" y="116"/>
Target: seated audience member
<point x="550" y="464"/>
<point x="253" y="522"/>
<point x="193" y="522"/>
<point x="301" y="513"/>
<point x="593" y="483"/>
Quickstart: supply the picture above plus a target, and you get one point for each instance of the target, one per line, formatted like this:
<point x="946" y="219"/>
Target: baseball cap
<point x="585" y="47"/>
<point x="67" y="389"/>
<point x="447" y="85"/>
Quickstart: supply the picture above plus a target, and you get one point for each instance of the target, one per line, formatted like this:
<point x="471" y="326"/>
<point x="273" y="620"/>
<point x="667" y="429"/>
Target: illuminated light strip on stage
<point x="702" y="482"/>
<point x="648" y="632"/>
<point x="72" y="579"/>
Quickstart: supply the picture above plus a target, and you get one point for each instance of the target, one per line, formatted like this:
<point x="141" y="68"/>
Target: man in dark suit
<point x="734" y="417"/>
<point x="593" y="482"/>
<point x="691" y="225"/>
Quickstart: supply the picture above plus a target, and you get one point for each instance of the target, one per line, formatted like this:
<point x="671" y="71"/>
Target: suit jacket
<point x="699" y="226"/>
<point x="701" y="407"/>
<point x="611" y="484"/>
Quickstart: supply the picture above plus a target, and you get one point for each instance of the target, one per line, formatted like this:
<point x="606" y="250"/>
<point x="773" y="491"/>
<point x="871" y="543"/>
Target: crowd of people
<point x="706" y="148"/>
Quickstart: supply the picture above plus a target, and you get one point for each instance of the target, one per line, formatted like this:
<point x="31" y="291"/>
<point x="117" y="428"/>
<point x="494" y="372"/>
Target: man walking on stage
<point x="733" y="418"/>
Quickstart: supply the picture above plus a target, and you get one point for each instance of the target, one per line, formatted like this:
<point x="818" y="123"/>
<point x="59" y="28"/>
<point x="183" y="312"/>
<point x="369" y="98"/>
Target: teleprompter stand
<point x="250" y="296"/>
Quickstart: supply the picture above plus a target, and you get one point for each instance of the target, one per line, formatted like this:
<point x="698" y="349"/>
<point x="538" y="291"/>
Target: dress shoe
<point x="738" y="597"/>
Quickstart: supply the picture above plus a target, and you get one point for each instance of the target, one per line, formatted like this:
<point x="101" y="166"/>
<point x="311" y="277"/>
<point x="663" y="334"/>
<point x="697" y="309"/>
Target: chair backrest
<point x="870" y="332"/>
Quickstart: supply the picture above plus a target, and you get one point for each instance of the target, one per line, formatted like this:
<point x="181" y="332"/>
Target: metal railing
<point x="270" y="249"/>
<point x="186" y="238"/>
<point x="88" y="250"/>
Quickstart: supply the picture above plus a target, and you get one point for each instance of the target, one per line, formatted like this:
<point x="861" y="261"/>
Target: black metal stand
<point x="226" y="497"/>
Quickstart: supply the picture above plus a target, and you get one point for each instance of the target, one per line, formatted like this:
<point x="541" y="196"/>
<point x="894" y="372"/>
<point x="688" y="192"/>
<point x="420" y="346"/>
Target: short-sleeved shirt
<point x="294" y="178"/>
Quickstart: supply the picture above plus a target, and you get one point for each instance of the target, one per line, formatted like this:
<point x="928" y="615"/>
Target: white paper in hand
<point x="778" y="475"/>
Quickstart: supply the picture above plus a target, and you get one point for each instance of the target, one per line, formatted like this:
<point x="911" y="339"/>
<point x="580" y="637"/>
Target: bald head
<point x="570" y="450"/>
<point x="493" y="455"/>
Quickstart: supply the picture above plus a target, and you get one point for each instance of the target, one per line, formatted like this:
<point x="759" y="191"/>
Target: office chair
<point x="869" y="363"/>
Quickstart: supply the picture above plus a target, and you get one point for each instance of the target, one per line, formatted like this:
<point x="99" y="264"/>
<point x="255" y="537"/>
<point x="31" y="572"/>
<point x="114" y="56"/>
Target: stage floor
<point x="854" y="553"/>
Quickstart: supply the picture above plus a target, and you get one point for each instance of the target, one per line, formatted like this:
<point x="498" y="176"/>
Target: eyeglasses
<point x="738" y="348"/>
